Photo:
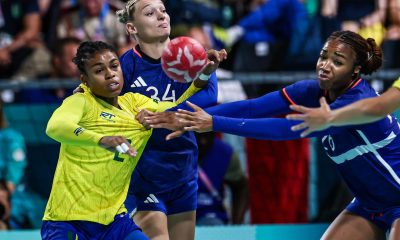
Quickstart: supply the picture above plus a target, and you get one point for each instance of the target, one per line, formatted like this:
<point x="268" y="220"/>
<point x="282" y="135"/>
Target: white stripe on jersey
<point x="369" y="148"/>
<point x="379" y="157"/>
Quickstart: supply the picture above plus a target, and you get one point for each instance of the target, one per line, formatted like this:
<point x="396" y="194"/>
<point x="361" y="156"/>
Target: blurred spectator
<point x="195" y="11"/>
<point x="93" y="20"/>
<point x="19" y="33"/>
<point x="62" y="68"/>
<point x="263" y="35"/>
<point x="219" y="166"/>
<point x="12" y="166"/>
<point x="354" y="15"/>
<point x="391" y="44"/>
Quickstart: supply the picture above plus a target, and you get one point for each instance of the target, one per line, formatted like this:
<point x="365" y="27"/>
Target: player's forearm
<point x="204" y="98"/>
<point x="193" y="89"/>
<point x="366" y="110"/>
<point x="72" y="134"/>
<point x="353" y="114"/>
<point x="266" y="128"/>
<point x="271" y="104"/>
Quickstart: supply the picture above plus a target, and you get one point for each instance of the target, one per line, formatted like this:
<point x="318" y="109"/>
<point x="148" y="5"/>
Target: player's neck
<point x="153" y="50"/>
<point x="112" y="101"/>
<point x="335" y="94"/>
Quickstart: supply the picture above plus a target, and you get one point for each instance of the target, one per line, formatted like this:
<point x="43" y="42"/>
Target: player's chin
<point x="324" y="85"/>
<point x="112" y="93"/>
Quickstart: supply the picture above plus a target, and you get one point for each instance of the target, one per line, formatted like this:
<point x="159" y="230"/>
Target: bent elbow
<point x="51" y="129"/>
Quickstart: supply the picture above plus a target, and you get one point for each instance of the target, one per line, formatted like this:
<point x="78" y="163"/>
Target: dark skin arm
<point x="180" y="121"/>
<point x="363" y="111"/>
<point x="168" y="119"/>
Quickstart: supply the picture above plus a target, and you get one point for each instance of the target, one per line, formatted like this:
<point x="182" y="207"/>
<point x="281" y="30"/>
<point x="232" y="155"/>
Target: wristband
<point x="204" y="77"/>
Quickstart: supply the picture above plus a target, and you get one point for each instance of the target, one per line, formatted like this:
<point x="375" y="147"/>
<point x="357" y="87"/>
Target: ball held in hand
<point x="183" y="59"/>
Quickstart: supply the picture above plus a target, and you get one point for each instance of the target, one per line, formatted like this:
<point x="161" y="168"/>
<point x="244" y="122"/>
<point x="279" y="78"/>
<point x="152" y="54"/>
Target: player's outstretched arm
<point x="360" y="112"/>
<point x="261" y="128"/>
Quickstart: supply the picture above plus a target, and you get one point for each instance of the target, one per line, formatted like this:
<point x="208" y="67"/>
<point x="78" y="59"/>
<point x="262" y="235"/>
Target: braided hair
<point x="126" y="14"/>
<point x="87" y="50"/>
<point x="368" y="54"/>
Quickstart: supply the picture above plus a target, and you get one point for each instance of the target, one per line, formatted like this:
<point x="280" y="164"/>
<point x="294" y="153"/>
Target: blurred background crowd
<point x="256" y="181"/>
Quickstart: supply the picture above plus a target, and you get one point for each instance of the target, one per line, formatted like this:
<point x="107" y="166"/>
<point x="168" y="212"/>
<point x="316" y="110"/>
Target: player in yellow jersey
<point x="363" y="111"/>
<point x="101" y="143"/>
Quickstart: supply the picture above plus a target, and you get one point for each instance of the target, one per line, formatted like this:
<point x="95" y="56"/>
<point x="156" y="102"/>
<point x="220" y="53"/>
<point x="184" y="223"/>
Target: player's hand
<point x="175" y="134"/>
<point x="166" y="120"/>
<point x="117" y="144"/>
<point x="141" y="117"/>
<point x="314" y="119"/>
<point x="214" y="59"/>
<point x="198" y="121"/>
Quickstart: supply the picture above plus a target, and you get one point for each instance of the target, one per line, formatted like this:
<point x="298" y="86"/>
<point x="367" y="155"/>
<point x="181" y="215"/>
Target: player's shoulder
<point x="308" y="85"/>
<point x="127" y="55"/>
<point x="360" y="89"/>
<point x="80" y="99"/>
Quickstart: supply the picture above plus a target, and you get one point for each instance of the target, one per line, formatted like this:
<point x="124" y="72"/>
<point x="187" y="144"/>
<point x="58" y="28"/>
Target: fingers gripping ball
<point x="183" y="59"/>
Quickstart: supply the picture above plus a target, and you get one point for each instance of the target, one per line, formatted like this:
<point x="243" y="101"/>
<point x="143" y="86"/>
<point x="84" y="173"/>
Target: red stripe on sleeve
<point x="287" y="97"/>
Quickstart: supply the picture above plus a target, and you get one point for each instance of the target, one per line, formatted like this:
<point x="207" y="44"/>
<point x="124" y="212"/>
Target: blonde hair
<point x="126" y="14"/>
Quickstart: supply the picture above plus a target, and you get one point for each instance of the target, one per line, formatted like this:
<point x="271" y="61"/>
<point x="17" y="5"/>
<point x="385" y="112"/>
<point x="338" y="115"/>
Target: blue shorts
<point x="383" y="218"/>
<point x="122" y="228"/>
<point x="177" y="200"/>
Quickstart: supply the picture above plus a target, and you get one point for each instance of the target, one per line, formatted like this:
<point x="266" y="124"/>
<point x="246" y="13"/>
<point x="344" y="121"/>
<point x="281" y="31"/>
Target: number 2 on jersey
<point x="116" y="155"/>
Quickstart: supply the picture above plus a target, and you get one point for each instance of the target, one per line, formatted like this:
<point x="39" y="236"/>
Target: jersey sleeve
<point x="143" y="102"/>
<point x="305" y="92"/>
<point x="64" y="127"/>
<point x="264" y="128"/>
<point x="205" y="98"/>
<point x="271" y="104"/>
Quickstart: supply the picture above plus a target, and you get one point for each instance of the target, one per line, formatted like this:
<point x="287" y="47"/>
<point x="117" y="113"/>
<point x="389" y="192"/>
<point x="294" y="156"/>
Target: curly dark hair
<point x="87" y="50"/>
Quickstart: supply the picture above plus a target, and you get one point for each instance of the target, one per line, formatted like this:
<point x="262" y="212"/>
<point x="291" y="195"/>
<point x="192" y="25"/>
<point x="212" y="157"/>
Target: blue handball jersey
<point x="367" y="155"/>
<point x="164" y="164"/>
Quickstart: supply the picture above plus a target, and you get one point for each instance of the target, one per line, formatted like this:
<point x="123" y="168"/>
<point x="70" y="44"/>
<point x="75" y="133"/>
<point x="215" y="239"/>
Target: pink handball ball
<point x="183" y="59"/>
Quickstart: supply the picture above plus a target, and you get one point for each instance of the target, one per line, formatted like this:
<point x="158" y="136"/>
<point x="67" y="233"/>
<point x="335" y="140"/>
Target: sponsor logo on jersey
<point x="107" y="116"/>
<point x="78" y="131"/>
<point x="139" y="82"/>
<point x="151" y="199"/>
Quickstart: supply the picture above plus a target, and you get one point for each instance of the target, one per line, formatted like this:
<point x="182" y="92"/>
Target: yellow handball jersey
<point x="396" y="84"/>
<point x="91" y="183"/>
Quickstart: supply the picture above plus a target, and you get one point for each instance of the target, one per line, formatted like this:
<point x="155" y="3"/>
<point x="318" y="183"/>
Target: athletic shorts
<point x="383" y="218"/>
<point x="122" y="228"/>
<point x="177" y="200"/>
